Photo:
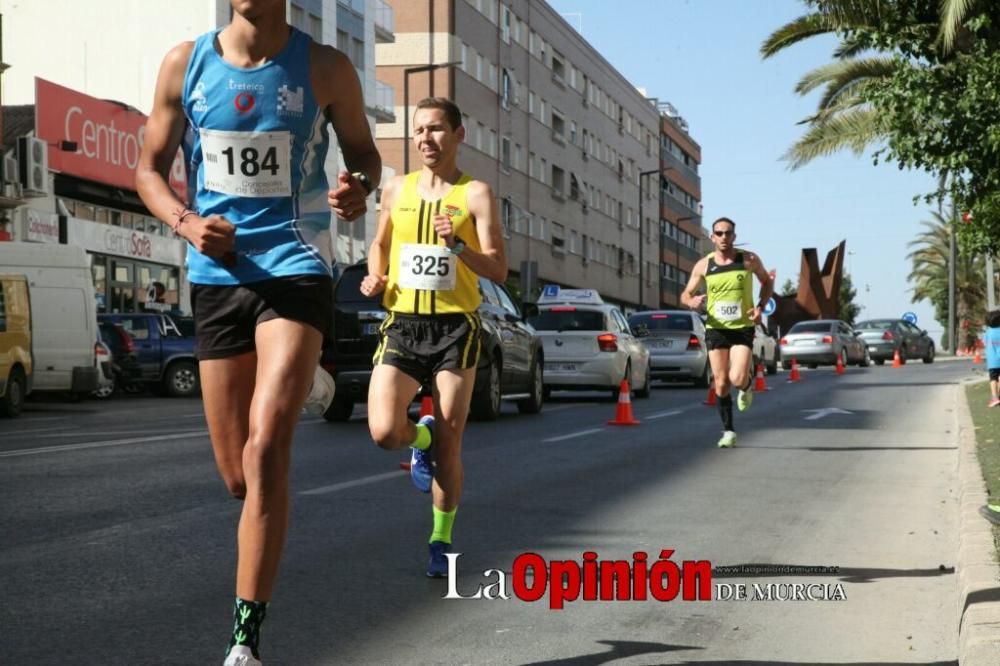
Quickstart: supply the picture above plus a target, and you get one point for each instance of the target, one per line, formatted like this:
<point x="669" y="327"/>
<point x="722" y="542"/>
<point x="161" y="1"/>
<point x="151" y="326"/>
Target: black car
<point x="510" y="364"/>
<point x="886" y="337"/>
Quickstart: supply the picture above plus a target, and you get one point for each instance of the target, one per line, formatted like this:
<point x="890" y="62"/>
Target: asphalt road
<point x="117" y="537"/>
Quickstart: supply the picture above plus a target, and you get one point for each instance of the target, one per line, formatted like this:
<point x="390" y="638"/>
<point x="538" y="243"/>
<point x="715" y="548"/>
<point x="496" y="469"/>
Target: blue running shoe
<point x="422" y="462"/>
<point x="437" y="565"/>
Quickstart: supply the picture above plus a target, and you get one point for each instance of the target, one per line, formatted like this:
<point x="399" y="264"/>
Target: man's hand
<point x="348" y="200"/>
<point x="444" y="229"/>
<point x="698" y="301"/>
<point x="372" y="285"/>
<point x="213" y="236"/>
<point x="755" y="315"/>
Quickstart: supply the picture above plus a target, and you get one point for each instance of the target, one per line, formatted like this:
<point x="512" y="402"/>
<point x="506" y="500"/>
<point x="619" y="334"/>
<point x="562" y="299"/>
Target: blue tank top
<point x="255" y="148"/>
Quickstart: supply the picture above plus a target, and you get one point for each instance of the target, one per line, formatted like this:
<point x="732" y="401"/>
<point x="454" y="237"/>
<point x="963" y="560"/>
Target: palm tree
<point x="843" y="118"/>
<point x="930" y="279"/>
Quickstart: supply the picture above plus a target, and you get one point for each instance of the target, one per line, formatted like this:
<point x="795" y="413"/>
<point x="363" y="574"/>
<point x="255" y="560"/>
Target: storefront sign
<point x="108" y="239"/>
<point x="40" y="227"/>
<point x="108" y="137"/>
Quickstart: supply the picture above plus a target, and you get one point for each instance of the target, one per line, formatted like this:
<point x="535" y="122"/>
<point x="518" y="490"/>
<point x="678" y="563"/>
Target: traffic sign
<point x="910" y="317"/>
<point x="771" y="306"/>
<point x="551" y="291"/>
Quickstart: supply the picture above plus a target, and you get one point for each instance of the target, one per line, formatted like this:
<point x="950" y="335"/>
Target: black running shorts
<point x="423" y="345"/>
<point x="724" y="338"/>
<point x="226" y="316"/>
<point x="994" y="374"/>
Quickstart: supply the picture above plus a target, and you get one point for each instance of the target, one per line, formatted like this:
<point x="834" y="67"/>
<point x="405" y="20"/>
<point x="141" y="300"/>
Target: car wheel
<point x="866" y="359"/>
<point x="786" y="365"/>
<point x="644" y="391"/>
<point x="547" y="392"/>
<point x="880" y="361"/>
<point x="843" y="356"/>
<point x="486" y="403"/>
<point x="702" y="380"/>
<point x="812" y="366"/>
<point x="181" y="379"/>
<point x="533" y="405"/>
<point x="339" y="410"/>
<point x="13" y="400"/>
<point x="772" y="367"/>
<point x="929" y="356"/>
<point x="902" y="355"/>
<point x="106" y="391"/>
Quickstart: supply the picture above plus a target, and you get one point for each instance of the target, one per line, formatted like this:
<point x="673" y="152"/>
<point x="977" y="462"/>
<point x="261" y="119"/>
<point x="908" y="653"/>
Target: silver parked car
<point x="676" y="343"/>
<point x="588" y="345"/>
<point x="765" y="350"/>
<point x="821" y="342"/>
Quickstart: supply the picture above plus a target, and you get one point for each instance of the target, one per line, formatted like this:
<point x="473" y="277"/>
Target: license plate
<point x="871" y="349"/>
<point x="370" y="329"/>
<point x="660" y="344"/>
<point x="561" y="367"/>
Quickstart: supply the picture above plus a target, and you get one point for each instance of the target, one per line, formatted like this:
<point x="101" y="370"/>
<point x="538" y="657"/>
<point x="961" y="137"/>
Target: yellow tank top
<point x="412" y="225"/>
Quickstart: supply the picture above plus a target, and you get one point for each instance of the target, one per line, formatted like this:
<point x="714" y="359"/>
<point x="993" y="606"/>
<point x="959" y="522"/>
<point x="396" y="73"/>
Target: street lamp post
<point x="406" y="104"/>
<point x="642" y="174"/>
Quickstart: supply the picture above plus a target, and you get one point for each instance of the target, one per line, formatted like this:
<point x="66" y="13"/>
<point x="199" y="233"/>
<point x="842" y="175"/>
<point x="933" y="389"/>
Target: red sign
<point x="108" y="137"/>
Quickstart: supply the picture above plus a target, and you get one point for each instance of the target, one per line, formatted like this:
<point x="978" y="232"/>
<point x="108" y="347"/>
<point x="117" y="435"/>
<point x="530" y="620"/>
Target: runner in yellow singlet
<point x="731" y="317"/>
<point x="438" y="232"/>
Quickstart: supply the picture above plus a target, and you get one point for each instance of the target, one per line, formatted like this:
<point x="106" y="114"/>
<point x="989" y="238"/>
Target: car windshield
<point x="662" y="322"/>
<point x="876" y="324"/>
<point x="568" y="319"/>
<point x="349" y="288"/>
<point x="811" y="327"/>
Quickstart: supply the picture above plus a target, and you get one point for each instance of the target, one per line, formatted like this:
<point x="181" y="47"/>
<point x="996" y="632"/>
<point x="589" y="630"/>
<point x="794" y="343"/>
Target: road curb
<point x="977" y="568"/>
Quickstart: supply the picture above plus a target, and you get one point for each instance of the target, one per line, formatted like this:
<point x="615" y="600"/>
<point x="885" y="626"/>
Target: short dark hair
<point x="451" y="111"/>
<point x="723" y="219"/>
<point x="993" y="319"/>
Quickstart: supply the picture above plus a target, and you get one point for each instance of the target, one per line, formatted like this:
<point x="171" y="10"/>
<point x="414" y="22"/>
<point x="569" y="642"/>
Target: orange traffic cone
<point x="759" y="383"/>
<point x="978" y="358"/>
<point x="840" y="365"/>
<point x="426" y="406"/>
<point x="710" y="400"/>
<point x="897" y="360"/>
<point x="795" y="375"/>
<point x="623" y="415"/>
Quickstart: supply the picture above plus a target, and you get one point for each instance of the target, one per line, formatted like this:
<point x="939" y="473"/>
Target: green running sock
<point x="443" y="521"/>
<point x="247" y="618"/>
<point x="423" y="440"/>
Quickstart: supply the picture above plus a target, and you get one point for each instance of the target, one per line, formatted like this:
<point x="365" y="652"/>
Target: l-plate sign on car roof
<point x="554" y="294"/>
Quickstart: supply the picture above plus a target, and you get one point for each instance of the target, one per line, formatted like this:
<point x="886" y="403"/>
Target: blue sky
<point x="702" y="56"/>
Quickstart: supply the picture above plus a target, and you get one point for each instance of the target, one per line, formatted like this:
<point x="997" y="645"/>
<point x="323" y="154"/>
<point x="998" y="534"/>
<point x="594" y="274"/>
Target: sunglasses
<point x="720" y="234"/>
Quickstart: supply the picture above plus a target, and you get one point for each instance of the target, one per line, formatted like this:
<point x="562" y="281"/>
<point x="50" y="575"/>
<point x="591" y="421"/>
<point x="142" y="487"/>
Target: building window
<point x="574" y="242"/>
<point x="297" y="17"/>
<point x="480" y="136"/>
<point x="541" y="111"/>
<point x="505" y="21"/>
<point x="358" y="53"/>
<point x="506" y="216"/>
<point x="316" y="28"/>
<point x="558" y="124"/>
<point x="531" y="103"/>
<point x="558" y="67"/>
<point x="344" y="43"/>
<point x="558" y="238"/>
<point x="532" y="165"/>
<point x="464" y="54"/>
<point x="505" y="153"/>
<point x="558" y="179"/>
<point x="517" y="156"/>
<point x="574" y="187"/>
<point x="505" y="88"/>
<point x="492" y="148"/>
<point x="479" y="68"/>
<point x="572" y="132"/>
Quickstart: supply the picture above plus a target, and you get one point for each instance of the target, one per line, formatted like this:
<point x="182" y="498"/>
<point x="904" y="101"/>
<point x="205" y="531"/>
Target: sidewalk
<point x="978" y="571"/>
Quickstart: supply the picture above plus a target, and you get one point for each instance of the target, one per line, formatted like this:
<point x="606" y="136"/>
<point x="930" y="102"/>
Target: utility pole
<point x="952" y="342"/>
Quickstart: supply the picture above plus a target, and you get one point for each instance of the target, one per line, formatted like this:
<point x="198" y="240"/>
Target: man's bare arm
<point x="694" y="283"/>
<point x="491" y="262"/>
<point x="378" y="253"/>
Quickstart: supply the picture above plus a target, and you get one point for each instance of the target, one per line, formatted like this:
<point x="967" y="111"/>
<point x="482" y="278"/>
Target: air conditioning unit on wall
<point x="33" y="161"/>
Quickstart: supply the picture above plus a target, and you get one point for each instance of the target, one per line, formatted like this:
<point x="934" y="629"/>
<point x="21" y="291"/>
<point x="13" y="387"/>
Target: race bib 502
<point x="728" y="310"/>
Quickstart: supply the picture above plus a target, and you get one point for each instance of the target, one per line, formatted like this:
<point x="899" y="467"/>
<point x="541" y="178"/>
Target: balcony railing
<point x="385" y="103"/>
<point x="385" y="21"/>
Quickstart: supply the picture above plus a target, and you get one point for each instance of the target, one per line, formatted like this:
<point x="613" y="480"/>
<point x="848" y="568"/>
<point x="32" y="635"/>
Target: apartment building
<point x="108" y="68"/>
<point x="561" y="136"/>
<point x="683" y="240"/>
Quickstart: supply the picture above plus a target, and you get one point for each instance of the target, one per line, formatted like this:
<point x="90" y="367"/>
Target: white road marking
<point x="660" y="415"/>
<point x="571" y="435"/>
<point x="102" y="444"/>
<point x="363" y="481"/>
<point x="820" y="413"/>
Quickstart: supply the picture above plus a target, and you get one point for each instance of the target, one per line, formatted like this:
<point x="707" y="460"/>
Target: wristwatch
<point x="364" y="180"/>
<point x="457" y="248"/>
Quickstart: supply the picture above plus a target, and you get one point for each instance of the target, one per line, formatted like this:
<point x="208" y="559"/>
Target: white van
<point x="63" y="313"/>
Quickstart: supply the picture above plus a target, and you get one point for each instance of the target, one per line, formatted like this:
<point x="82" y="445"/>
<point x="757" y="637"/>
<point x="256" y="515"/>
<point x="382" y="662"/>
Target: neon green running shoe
<point x="744" y="399"/>
<point x="728" y="440"/>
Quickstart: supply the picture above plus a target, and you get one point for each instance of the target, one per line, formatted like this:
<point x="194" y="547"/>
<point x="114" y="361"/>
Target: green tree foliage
<point x="848" y="308"/>
<point x="929" y="276"/>
<point x="920" y="79"/>
<point x="788" y="288"/>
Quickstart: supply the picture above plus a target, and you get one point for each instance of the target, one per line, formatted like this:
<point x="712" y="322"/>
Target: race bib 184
<point x="430" y="267"/>
<point x="247" y="164"/>
<point x="728" y="310"/>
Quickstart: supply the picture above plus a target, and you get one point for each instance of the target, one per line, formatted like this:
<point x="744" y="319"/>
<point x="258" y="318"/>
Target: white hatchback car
<point x="588" y="344"/>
